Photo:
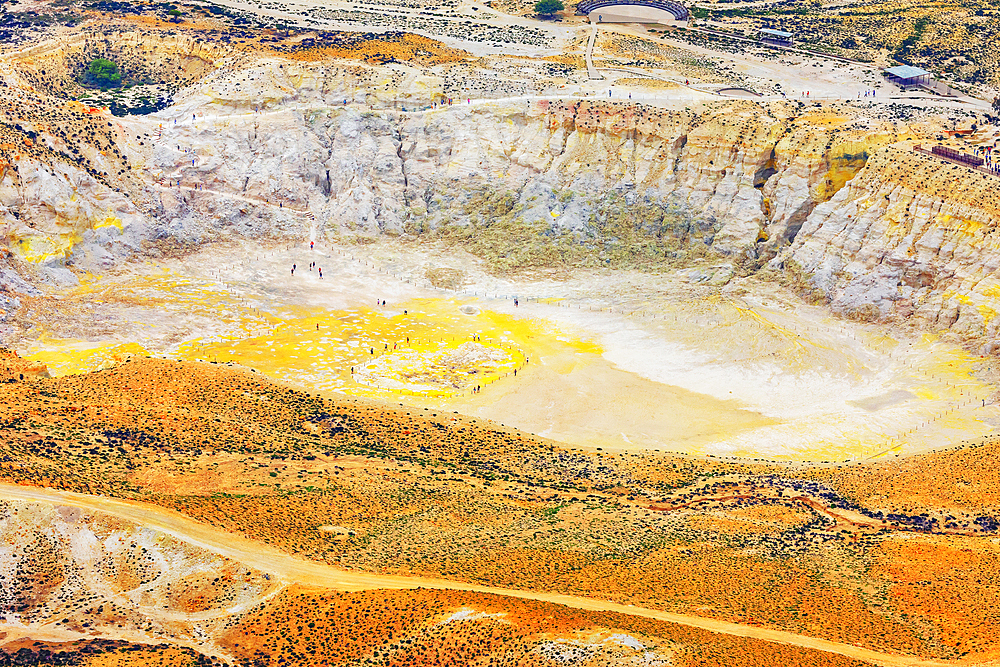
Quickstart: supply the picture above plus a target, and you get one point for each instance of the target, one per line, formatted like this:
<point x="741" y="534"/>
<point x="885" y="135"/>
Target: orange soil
<point x="93" y="432"/>
<point x="398" y="628"/>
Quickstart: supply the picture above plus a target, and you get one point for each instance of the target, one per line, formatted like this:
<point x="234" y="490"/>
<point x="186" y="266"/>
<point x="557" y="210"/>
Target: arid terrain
<point x="445" y="333"/>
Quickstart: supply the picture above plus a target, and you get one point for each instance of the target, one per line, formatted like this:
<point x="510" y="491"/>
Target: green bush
<point x="548" y="7"/>
<point x="103" y="74"/>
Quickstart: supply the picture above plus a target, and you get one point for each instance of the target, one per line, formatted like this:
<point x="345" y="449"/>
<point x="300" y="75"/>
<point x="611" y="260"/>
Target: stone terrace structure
<point x="632" y="11"/>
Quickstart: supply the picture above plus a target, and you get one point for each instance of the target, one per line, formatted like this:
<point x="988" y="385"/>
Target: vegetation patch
<point x="102" y="73"/>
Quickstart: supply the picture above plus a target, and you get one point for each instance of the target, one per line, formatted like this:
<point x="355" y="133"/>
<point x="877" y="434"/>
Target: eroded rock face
<point x="272" y="150"/>
<point x="819" y="151"/>
<point x="281" y="132"/>
<point x="735" y="166"/>
<point x="52" y="211"/>
<point x="705" y="164"/>
<point x="910" y="238"/>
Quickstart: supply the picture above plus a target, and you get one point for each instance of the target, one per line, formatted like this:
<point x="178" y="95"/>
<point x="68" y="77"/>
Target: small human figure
<point x="293" y="269"/>
<point x="321" y="273"/>
<point x="515" y="303"/>
<point x="310" y="245"/>
<point x="317" y="326"/>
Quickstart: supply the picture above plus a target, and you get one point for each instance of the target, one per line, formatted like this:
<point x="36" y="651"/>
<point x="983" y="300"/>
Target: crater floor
<point x="619" y="361"/>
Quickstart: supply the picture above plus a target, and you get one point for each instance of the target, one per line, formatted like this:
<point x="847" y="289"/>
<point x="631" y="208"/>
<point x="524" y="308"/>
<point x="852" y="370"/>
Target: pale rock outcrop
<point x="52" y="210"/>
<point x="271" y="150"/>
<point x="910" y="238"/>
<point x="819" y="152"/>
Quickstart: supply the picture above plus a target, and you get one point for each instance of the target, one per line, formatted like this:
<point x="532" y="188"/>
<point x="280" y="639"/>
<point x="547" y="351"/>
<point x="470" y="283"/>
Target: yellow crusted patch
<point x="38" y="249"/>
<point x="426" y="347"/>
<point x="420" y="347"/>
<point x="110" y="221"/>
<point x="66" y="357"/>
<point x="442" y="369"/>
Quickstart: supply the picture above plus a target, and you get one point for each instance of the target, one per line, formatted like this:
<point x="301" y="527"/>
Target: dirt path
<point x="218" y="193"/>
<point x="291" y="569"/>
<point x="591" y="70"/>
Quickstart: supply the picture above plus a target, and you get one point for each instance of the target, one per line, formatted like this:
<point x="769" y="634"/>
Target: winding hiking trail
<point x="296" y="570"/>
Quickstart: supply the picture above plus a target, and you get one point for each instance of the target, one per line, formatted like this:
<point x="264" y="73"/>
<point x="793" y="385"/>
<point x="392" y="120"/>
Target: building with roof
<point x="776" y="37"/>
<point x="907" y="76"/>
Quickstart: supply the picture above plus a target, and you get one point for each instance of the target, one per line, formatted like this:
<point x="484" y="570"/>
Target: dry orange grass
<point x="99" y="653"/>
<point x="643" y="82"/>
<point x="963" y="479"/>
<point x="396" y="628"/>
<point x="93" y="429"/>
<point x="721" y="583"/>
<point x="408" y="482"/>
<point x="291" y="521"/>
<point x="752" y="520"/>
<point x="164" y="656"/>
<point x="952" y="580"/>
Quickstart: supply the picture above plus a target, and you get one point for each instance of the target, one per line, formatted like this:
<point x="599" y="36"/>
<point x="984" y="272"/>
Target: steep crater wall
<point x="273" y="151"/>
<point x="912" y="239"/>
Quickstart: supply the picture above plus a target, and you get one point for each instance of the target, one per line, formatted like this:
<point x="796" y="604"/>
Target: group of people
<point x="382" y="302"/>
<point x="312" y="265"/>
<point x="986" y="152"/>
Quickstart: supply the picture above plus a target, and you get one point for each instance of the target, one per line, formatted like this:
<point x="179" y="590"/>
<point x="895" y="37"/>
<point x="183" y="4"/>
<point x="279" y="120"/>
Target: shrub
<point x="103" y="74"/>
<point x="548" y="7"/>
